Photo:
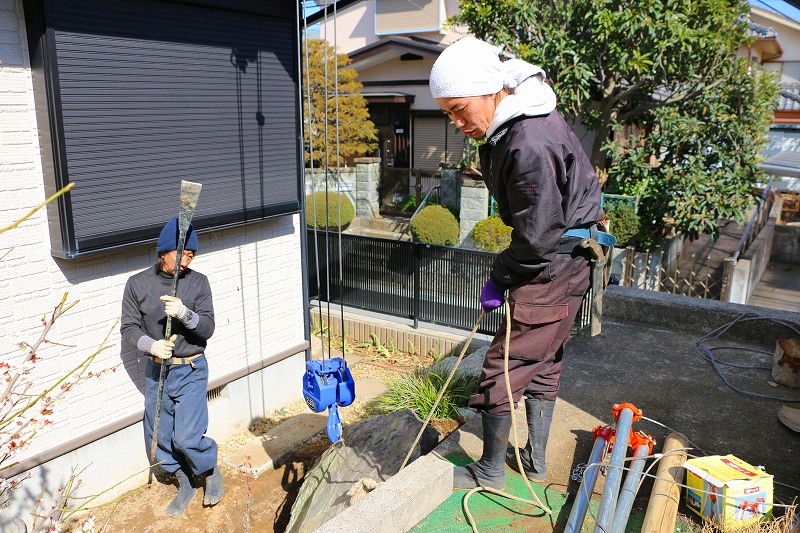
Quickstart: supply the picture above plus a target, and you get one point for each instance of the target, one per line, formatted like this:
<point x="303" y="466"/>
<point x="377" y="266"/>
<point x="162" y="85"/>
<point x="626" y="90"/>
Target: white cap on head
<point x="468" y="67"/>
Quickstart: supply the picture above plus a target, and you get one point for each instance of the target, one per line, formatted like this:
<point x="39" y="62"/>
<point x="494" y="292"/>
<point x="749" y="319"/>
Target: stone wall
<point x="474" y="206"/>
<point x="359" y="184"/>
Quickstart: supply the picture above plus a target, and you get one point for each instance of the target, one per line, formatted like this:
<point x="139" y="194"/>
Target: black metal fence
<point x="421" y="282"/>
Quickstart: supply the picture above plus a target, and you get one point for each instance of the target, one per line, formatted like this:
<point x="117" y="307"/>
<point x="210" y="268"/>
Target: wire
<point x="707" y="352"/>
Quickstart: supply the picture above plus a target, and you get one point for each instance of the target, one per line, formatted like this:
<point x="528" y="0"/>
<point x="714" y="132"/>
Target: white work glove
<point x="163" y="348"/>
<point x="174" y="307"/>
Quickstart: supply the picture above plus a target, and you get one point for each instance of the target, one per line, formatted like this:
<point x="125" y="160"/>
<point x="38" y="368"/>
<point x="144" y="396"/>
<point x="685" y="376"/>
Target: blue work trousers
<point x="184" y="417"/>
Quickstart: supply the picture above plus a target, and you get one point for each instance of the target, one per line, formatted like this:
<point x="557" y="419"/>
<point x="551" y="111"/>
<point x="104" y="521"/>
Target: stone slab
<point x="400" y="503"/>
<point x="262" y="452"/>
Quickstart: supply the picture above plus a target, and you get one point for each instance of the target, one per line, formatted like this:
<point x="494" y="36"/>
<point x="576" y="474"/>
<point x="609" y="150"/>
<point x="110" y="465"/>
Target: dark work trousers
<point x="184" y="417"/>
<point x="542" y="314"/>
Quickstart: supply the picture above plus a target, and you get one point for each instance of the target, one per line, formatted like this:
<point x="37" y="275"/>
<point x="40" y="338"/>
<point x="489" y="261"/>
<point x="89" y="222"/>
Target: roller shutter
<point x="142" y="94"/>
<point x="436" y="140"/>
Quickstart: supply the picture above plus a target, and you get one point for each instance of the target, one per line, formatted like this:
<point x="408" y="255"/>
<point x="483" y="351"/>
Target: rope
<point x="535" y="501"/>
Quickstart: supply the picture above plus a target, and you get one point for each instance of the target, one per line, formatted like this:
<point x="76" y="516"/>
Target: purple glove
<point x="491" y="296"/>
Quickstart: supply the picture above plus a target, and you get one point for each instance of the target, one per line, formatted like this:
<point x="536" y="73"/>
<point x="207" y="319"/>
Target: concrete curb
<point x="696" y="315"/>
<point x="400" y="503"/>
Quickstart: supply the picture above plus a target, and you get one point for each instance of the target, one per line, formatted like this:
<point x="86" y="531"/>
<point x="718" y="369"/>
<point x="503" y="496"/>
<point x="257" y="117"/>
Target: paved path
<point x="779" y="288"/>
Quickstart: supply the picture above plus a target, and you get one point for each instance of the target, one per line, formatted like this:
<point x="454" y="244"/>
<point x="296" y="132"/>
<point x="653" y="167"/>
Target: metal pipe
<point x="611" y="490"/>
<point x="629" y="488"/>
<point x="578" y="512"/>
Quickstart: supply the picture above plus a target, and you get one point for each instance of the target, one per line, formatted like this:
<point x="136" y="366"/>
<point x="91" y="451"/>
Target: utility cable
<point x="707" y="352"/>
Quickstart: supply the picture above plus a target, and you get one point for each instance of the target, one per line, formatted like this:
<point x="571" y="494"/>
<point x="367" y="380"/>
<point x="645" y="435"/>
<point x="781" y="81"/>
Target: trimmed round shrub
<point x="333" y="200"/>
<point x="491" y="234"/>
<point x="435" y="224"/>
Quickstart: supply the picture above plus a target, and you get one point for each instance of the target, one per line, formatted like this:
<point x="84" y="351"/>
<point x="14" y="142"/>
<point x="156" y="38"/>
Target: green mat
<point x="492" y="512"/>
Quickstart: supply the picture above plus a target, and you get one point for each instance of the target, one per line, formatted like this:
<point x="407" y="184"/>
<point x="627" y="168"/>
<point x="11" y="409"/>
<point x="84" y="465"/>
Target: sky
<point x="780" y="6"/>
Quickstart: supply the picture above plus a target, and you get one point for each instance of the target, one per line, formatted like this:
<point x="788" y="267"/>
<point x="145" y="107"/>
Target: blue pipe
<point x="629" y="488"/>
<point x="617" y="462"/>
<point x="578" y="512"/>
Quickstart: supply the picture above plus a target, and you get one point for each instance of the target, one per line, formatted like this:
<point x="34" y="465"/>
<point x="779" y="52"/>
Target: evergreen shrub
<point x="625" y="223"/>
<point x="435" y="224"/>
<point x="491" y="234"/>
<point x="333" y="200"/>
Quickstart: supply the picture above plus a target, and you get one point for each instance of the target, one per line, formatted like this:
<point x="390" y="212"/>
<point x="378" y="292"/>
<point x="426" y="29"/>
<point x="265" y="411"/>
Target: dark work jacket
<point x="143" y="310"/>
<point x="543" y="183"/>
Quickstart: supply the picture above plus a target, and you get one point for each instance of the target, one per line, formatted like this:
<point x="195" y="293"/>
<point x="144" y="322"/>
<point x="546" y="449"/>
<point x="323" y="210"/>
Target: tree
<point x="666" y="67"/>
<point x="607" y="59"/>
<point x="338" y="124"/>
<point x="706" y="153"/>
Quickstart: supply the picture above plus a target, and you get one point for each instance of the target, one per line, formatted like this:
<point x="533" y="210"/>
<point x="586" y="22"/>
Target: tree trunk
<point x="598" y="158"/>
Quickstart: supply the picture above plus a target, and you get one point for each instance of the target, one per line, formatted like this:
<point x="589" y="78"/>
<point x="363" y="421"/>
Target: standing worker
<point x="544" y="186"/>
<point x="183" y="448"/>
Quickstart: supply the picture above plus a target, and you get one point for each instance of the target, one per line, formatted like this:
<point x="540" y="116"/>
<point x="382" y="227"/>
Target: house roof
<point x="762" y="32"/>
<point x="388" y="98"/>
<point x="783" y="163"/>
<point x="393" y="47"/>
<point x="789" y="99"/>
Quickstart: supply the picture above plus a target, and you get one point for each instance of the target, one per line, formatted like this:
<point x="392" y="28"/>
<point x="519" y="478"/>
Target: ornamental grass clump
<point x="435" y="224"/>
<point x="419" y="391"/>
<point x="338" y="208"/>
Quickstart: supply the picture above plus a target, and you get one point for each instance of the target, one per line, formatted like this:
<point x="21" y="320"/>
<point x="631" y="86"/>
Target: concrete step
<point x="262" y="452"/>
<point x="379" y="234"/>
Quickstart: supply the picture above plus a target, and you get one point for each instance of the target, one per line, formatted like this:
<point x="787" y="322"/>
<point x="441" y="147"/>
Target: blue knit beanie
<point x="168" y="240"/>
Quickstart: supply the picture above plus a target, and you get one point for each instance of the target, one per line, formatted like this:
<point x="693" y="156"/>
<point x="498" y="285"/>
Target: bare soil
<point x="261" y="505"/>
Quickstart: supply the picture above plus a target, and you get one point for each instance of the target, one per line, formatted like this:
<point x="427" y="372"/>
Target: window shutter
<point x="436" y="141"/>
<point x="144" y="94"/>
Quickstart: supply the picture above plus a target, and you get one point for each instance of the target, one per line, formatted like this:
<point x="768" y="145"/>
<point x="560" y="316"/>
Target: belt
<point x="603" y="238"/>
<point x="176" y="360"/>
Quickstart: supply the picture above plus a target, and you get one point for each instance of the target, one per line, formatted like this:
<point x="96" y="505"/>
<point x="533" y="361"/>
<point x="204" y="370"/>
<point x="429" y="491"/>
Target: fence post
<point x="418" y="185"/>
<point x="630" y="254"/>
<point x="727" y="279"/>
<point x="415" y="304"/>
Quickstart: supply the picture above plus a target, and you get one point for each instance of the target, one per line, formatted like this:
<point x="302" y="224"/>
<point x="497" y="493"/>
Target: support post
<point x="662" y="509"/>
<point x="581" y="505"/>
<point x="608" y="502"/>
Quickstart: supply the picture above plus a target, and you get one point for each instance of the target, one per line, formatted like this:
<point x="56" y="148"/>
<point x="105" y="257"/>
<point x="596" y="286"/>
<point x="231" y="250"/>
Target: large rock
<point x="471" y="364"/>
<point x="373" y="451"/>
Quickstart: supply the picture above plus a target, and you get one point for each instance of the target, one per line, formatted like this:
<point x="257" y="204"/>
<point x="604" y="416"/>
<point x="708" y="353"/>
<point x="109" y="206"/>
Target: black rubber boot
<point x="185" y="494"/>
<point x="490" y="470"/>
<point x="539" y="414"/>
<point x="214" y="490"/>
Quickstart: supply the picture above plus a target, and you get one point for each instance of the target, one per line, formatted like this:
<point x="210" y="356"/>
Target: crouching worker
<point x="546" y="191"/>
<point x="183" y="449"/>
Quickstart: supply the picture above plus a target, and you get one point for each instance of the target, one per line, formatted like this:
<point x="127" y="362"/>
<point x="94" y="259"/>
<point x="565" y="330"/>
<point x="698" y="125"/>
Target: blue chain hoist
<point x="328" y="384"/>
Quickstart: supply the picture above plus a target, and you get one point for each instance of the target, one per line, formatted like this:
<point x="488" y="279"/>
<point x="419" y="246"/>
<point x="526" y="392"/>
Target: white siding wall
<point x="256" y="275"/>
<point x="354" y="26"/>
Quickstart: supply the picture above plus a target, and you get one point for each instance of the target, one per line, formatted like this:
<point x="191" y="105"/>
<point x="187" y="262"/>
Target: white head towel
<point x="471" y="67"/>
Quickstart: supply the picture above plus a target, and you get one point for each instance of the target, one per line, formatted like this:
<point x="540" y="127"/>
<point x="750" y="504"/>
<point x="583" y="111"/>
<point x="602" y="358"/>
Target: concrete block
<point x="401" y="502"/>
<point x="263" y="452"/>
